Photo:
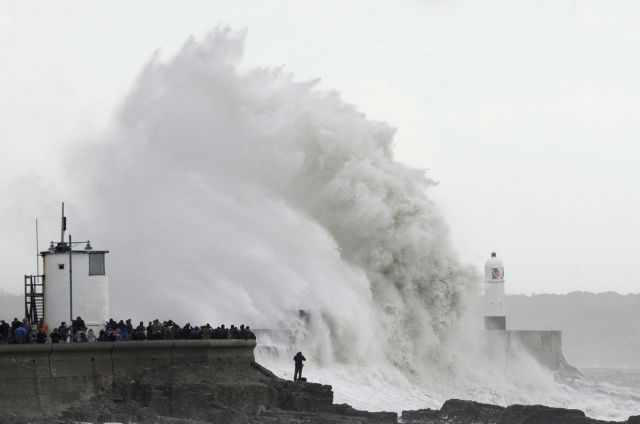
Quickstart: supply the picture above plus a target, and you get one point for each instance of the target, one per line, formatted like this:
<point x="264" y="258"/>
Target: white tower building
<point x="494" y="300"/>
<point x="75" y="284"/>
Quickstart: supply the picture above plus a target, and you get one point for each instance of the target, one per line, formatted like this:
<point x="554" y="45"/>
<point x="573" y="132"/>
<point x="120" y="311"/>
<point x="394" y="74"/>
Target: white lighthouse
<point x="75" y="283"/>
<point x="494" y="300"/>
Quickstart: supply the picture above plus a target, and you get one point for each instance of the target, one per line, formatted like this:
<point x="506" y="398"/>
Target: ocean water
<point x="603" y="393"/>
<point x="621" y="376"/>
<point x="606" y="397"/>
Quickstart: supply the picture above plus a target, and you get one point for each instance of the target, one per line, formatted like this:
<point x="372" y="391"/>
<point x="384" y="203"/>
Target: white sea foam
<point x="246" y="194"/>
<point x="242" y="195"/>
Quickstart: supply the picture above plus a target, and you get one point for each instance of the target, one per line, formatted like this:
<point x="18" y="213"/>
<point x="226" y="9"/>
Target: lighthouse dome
<point x="493" y="269"/>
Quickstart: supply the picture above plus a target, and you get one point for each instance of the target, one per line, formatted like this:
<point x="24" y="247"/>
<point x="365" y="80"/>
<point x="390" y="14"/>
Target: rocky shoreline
<point x="232" y="393"/>
<point x="457" y="411"/>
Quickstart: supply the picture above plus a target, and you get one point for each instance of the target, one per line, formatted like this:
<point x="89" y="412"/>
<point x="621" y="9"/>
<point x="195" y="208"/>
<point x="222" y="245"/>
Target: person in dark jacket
<point x="196" y="333"/>
<point x="250" y="334"/>
<point x="221" y="332"/>
<point x="298" y="359"/>
<point x="64" y="332"/>
<point x="4" y="331"/>
<point x="124" y="333"/>
<point x="55" y="336"/>
<point x="77" y="325"/>
<point x="234" y="333"/>
<point x="139" y="333"/>
<point x="14" y="324"/>
<point x="112" y="335"/>
<point x="185" y="333"/>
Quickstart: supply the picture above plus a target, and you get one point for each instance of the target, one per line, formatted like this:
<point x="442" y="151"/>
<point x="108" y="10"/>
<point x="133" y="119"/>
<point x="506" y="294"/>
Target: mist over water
<point x="229" y="194"/>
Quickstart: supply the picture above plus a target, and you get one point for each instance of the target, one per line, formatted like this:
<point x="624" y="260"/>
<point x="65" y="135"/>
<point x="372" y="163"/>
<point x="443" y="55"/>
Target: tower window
<point x="96" y="264"/>
<point x="60" y="266"/>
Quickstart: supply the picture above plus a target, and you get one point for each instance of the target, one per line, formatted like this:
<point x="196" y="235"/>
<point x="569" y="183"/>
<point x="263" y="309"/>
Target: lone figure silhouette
<point x="297" y="374"/>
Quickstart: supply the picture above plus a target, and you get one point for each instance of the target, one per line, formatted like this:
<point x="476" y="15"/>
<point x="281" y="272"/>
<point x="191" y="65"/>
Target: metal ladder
<point x="34" y="298"/>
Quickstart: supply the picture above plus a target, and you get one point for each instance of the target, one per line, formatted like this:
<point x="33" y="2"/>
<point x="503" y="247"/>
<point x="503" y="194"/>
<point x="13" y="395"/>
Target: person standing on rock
<point x="297" y="374"/>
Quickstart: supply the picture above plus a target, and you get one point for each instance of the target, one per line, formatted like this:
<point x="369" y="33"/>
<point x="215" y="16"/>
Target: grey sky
<point x="526" y="112"/>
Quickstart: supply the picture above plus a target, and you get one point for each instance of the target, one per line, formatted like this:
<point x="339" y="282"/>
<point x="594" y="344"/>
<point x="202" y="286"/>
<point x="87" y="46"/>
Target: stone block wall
<point x="54" y="375"/>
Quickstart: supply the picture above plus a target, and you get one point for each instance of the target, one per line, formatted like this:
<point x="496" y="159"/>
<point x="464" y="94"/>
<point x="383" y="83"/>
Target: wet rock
<point x="538" y="414"/>
<point x="420" y="416"/>
<point x="457" y="411"/>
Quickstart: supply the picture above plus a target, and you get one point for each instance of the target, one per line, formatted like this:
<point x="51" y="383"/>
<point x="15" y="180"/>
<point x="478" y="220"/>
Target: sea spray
<point x="245" y="195"/>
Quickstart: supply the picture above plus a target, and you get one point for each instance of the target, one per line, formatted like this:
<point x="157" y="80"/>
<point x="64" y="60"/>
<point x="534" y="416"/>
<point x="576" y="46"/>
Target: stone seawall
<point x="39" y="377"/>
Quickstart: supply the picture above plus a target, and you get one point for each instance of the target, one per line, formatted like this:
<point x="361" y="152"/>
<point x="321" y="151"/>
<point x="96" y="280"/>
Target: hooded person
<point x="64" y="332"/>
<point x="250" y="334"/>
<point x="41" y="337"/>
<point x="298" y="359"/>
<point x="55" y="336"/>
<point x="77" y="324"/>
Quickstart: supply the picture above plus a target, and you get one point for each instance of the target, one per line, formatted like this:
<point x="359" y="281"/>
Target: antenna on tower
<point x="63" y="226"/>
<point x="37" y="250"/>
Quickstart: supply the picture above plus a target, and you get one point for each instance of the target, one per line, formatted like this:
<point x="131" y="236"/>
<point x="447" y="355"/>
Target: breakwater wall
<point x="544" y="346"/>
<point x="37" y="377"/>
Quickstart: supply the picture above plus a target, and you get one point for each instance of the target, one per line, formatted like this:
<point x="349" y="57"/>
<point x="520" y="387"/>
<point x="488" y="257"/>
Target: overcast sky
<point x="526" y="112"/>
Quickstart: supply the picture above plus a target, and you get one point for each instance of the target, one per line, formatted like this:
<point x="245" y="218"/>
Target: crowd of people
<point x="22" y="332"/>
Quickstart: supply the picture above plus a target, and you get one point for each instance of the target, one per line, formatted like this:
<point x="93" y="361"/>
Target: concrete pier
<point x="51" y="375"/>
<point x="544" y="346"/>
